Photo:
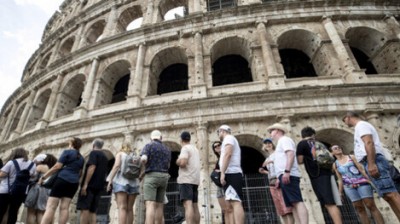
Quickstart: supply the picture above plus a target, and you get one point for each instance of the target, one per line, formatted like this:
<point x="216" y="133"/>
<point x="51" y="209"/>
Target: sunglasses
<point x="215" y="146"/>
<point x="335" y="148"/>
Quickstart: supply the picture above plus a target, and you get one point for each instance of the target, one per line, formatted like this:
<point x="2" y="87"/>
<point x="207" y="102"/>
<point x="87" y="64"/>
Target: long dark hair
<point x="76" y="143"/>
<point x="213" y="148"/>
<point x="18" y="153"/>
<point x="50" y="160"/>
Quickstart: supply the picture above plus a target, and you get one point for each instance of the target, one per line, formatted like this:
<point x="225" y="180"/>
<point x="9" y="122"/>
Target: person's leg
<point x="93" y="218"/>
<point x="150" y="212"/>
<point x="188" y="205"/>
<point x="301" y="211"/>
<point x="13" y="208"/>
<point x="131" y="203"/>
<point x="238" y="211"/>
<point x="39" y="216"/>
<point x="376" y="214"/>
<point x="84" y="217"/>
<point x="4" y="198"/>
<point x="122" y="203"/>
<point x="51" y="206"/>
<point x="159" y="213"/>
<point x="335" y="214"/>
<point x="64" y="210"/>
<point x="362" y="213"/>
<point x="30" y="216"/>
<point x="196" y="213"/>
<point x="288" y="218"/>
<point x="393" y="198"/>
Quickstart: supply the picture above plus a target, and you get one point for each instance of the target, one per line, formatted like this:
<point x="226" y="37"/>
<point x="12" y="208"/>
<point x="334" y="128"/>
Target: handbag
<point x="32" y="196"/>
<point x="216" y="178"/>
<point x="49" y="182"/>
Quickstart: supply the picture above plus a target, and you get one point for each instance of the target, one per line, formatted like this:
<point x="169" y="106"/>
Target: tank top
<point x="350" y="173"/>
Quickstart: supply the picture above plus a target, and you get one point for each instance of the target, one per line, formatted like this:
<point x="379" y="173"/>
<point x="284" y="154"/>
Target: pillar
<point x="54" y="55"/>
<point x="135" y="87"/>
<point x="148" y="17"/>
<point x="79" y="38"/>
<point x="24" y="115"/>
<point x="10" y="118"/>
<point x="111" y="25"/>
<point x="87" y="92"/>
<point x="393" y="24"/>
<point x="199" y="87"/>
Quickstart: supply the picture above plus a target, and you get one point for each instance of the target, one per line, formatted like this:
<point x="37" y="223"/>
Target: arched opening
<point x="121" y="89"/>
<point x="173" y="78"/>
<point x="113" y="84"/>
<point x="95" y="32"/>
<point x="70" y="96"/>
<point x="296" y="64"/>
<point x="231" y="69"/>
<point x="168" y="68"/>
<point x="45" y="61"/>
<point x="363" y="61"/>
<point x="175" y="13"/>
<point x="220" y="4"/>
<point x="16" y="119"/>
<point x="130" y="18"/>
<point x="173" y="9"/>
<point x="66" y="47"/>
<point x="38" y="109"/>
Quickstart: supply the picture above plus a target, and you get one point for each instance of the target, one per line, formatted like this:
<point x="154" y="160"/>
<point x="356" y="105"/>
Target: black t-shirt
<point x="97" y="158"/>
<point x="304" y="149"/>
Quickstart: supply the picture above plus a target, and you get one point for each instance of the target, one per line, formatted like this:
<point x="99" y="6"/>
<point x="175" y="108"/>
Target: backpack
<point x="321" y="154"/>
<point x="21" y="182"/>
<point x="131" y="166"/>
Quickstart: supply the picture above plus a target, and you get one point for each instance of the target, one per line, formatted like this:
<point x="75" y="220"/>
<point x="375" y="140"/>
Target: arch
<point x="128" y="16"/>
<point x="66" y="46"/>
<point x="296" y="56"/>
<point x="167" y="5"/>
<point x="175" y="13"/>
<point x="70" y="95"/>
<point x="94" y="33"/>
<point x="164" y="63"/>
<point x="331" y="136"/>
<point x="16" y="118"/>
<point x="45" y="61"/>
<point x="231" y="58"/>
<point x="117" y="72"/>
<point x="38" y="108"/>
<point x="372" y="50"/>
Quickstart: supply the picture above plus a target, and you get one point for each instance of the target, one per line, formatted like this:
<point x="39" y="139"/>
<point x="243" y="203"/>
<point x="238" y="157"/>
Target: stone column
<point x="148" y="17"/>
<point x="25" y="113"/>
<point x="202" y="145"/>
<point x="341" y="52"/>
<point x="10" y="118"/>
<point x="135" y="87"/>
<point x="51" y="102"/>
<point x="275" y="80"/>
<point x="54" y="55"/>
<point x="199" y="88"/>
<point x="393" y="24"/>
<point x="79" y="38"/>
<point x="87" y="92"/>
<point x="111" y="24"/>
<point x="196" y="6"/>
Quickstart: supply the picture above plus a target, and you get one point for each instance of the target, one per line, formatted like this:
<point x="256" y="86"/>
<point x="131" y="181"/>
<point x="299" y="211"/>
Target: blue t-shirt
<point x="158" y="157"/>
<point x="73" y="163"/>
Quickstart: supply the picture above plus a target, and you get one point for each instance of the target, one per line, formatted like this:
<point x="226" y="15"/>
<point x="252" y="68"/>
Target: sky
<point x="21" y="27"/>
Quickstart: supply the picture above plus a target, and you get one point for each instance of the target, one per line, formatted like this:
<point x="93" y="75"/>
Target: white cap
<point x="225" y="128"/>
<point x="156" y="134"/>
<point x="40" y="158"/>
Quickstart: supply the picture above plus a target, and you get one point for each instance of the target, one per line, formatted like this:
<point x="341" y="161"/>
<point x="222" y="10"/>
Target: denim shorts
<point x="291" y="192"/>
<point x="125" y="188"/>
<point x="384" y="183"/>
<point x="358" y="193"/>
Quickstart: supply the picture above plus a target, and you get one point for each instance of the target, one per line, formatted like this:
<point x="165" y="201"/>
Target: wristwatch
<point x="287" y="171"/>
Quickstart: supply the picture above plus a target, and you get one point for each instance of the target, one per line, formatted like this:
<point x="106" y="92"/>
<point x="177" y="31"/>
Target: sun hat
<point x="225" y="128"/>
<point x="278" y="126"/>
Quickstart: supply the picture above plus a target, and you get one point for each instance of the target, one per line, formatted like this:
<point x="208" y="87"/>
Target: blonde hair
<point x="125" y="148"/>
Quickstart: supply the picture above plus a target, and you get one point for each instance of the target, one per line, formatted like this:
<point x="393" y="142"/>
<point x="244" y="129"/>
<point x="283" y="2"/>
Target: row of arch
<point x="169" y="69"/>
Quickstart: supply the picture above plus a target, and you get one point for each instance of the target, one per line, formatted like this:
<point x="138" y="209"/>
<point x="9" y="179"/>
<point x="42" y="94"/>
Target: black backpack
<point x="20" y="185"/>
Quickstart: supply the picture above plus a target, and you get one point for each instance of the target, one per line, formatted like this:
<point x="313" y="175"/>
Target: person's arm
<point x="226" y="160"/>
<point x="114" y="170"/>
<point x="289" y="163"/>
<point x="3" y="174"/>
<point x="371" y="153"/>
<point x="359" y="166"/>
<point x="299" y="153"/>
<point x="182" y="160"/>
<point x="52" y="170"/>
<point x="340" y="180"/>
<point x="89" y="174"/>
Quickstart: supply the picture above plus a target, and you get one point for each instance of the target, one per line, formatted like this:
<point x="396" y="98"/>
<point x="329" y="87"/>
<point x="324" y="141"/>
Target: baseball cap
<point x="225" y="128"/>
<point x="156" y="134"/>
<point x="267" y="140"/>
<point x="185" y="136"/>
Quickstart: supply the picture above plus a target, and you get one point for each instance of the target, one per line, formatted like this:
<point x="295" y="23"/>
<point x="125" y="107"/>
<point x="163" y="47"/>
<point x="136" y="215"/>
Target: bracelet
<point x="287" y="171"/>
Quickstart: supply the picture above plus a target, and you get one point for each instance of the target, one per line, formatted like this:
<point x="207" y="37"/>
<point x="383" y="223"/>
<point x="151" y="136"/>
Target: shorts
<point x="233" y="187"/>
<point x="63" y="189"/>
<point x="291" y="192"/>
<point x="277" y="197"/>
<point x="323" y="189"/>
<point x="384" y="183"/>
<point x="155" y="186"/>
<point x="359" y="193"/>
<point x="188" y="192"/>
<point x="89" y="202"/>
<point x="125" y="188"/>
<point x="220" y="192"/>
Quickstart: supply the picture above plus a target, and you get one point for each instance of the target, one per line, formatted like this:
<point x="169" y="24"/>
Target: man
<point x="231" y="172"/>
<point x="189" y="178"/>
<point x="320" y="177"/>
<point x="369" y="152"/>
<point x="93" y="183"/>
<point x="156" y="157"/>
<point x="288" y="173"/>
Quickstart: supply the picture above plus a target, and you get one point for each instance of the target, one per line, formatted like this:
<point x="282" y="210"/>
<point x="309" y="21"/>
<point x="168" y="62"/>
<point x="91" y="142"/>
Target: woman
<point x="276" y="193"/>
<point x="37" y="207"/>
<point x="8" y="175"/>
<point x="353" y="179"/>
<point x="125" y="190"/>
<point x="70" y="166"/>
<point x="226" y="208"/>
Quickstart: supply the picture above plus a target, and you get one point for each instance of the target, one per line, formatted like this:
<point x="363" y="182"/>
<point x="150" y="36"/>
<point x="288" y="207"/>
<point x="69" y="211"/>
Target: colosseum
<point x="120" y="69"/>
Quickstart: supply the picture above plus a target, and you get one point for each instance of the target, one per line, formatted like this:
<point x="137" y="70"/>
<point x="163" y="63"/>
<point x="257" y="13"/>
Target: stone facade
<point x="70" y="86"/>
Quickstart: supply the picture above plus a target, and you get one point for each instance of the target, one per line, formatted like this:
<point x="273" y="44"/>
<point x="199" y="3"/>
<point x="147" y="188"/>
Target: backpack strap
<point x="16" y="165"/>
<point x="30" y="166"/>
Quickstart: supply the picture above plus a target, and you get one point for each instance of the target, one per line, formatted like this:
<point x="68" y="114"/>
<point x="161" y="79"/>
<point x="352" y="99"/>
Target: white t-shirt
<point x="234" y="163"/>
<point x="285" y="144"/>
<point x="271" y="166"/>
<point x="9" y="168"/>
<point x="191" y="173"/>
<point x="361" y="129"/>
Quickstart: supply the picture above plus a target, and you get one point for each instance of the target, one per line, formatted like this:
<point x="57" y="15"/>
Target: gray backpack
<point x="131" y="166"/>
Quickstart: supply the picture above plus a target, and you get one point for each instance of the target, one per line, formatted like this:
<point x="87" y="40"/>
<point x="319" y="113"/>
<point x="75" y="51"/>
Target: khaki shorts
<point x="155" y="186"/>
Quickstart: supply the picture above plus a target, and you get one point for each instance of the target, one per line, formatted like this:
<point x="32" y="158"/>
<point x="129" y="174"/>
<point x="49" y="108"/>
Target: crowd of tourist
<point x="49" y="184"/>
